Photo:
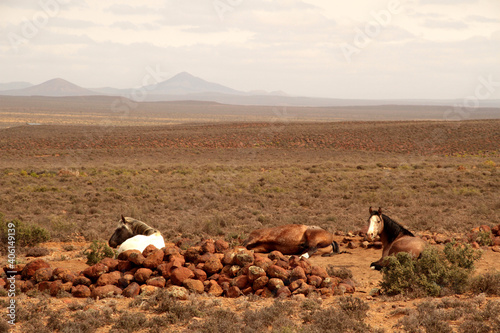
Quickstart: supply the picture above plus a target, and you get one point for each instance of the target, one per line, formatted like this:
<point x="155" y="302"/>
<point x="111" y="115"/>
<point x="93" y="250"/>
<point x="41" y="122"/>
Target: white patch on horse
<point x="374" y="228"/>
<point x="140" y="242"/>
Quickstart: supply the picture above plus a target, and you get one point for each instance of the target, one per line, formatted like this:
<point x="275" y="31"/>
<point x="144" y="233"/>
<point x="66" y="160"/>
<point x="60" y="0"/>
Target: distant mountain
<point x="54" y="87"/>
<point x="185" y="83"/>
<point x="14" y="85"/>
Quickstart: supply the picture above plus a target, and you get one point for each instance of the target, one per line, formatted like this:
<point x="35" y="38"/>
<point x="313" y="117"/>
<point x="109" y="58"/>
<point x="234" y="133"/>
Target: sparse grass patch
<point x="488" y="283"/>
<point x="97" y="251"/>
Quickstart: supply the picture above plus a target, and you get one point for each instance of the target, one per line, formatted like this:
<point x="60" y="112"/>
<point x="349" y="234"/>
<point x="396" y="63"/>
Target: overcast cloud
<point x="358" y="49"/>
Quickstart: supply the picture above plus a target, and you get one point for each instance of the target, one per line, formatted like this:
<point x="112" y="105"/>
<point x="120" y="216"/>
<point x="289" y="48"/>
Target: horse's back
<point x="140" y="242"/>
<point x="410" y="244"/>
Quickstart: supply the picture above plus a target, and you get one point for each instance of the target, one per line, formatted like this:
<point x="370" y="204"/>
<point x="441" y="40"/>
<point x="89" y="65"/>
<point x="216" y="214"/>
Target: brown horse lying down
<point x="394" y="237"/>
<point x="293" y="239"/>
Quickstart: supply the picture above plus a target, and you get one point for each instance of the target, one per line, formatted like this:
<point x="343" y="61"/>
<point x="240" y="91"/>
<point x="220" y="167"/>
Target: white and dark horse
<point x="394" y="237"/>
<point x="132" y="234"/>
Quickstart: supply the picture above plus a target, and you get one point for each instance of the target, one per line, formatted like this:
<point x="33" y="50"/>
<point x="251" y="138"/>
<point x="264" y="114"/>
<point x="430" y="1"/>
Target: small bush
<point x="97" y="251"/>
<point x="435" y="273"/>
<point x="342" y="272"/>
<point x="37" y="252"/>
<point x="26" y="235"/>
<point x="488" y="283"/>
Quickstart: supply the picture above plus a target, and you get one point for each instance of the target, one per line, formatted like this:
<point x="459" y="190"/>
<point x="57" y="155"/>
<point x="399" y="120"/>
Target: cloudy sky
<point x="329" y="48"/>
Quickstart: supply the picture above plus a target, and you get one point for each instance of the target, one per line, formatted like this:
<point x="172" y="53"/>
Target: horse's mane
<point x="139" y="227"/>
<point x="393" y="229"/>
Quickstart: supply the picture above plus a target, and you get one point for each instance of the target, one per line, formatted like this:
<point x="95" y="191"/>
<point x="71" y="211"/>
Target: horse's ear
<point x="379" y="211"/>
<point x="123" y="219"/>
<point x="371" y="211"/>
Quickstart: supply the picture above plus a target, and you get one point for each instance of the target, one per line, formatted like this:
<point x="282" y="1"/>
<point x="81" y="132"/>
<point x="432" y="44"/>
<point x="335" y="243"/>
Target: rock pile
<point x="211" y="268"/>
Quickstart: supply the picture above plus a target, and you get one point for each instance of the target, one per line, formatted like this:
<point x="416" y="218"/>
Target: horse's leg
<point x="379" y="264"/>
<point x="259" y="248"/>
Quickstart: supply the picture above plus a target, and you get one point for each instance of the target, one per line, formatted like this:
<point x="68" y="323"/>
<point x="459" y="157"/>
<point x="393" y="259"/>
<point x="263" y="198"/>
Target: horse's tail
<point x="335" y="247"/>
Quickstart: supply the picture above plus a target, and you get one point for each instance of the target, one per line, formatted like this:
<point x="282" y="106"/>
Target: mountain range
<point x="184" y="86"/>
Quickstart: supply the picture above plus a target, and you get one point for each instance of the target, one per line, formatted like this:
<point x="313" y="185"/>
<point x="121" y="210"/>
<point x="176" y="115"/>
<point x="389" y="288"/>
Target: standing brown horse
<point x="293" y="239"/>
<point x="394" y="237"/>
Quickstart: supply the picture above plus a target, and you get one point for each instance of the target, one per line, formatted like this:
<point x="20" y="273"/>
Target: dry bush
<point x="488" y="283"/>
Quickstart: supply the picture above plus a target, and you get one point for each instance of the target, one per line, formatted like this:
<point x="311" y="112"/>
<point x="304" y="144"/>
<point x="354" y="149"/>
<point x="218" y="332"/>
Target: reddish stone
<point x="266" y="293"/>
<point x="205" y="257"/>
<point x="297" y="274"/>
<point x="221" y="245"/>
<point x="154" y="259"/>
<point x="44" y="286"/>
<point x="296" y="284"/>
<point x="233" y="292"/>
<point x="55" y="287"/>
<point x="93" y="272"/>
<point x="109" y="278"/>
<point x="314" y="281"/>
<point x="283" y="264"/>
<point x="177" y="260"/>
<point x="240" y="281"/>
<point x="283" y="292"/>
<point x="126" y="254"/>
<point x="147" y="290"/>
<point x="496" y="241"/>
<point x="132" y="290"/>
<point x="260" y="283"/>
<point x="81" y="291"/>
<point x="277" y="255"/>
<point x="158" y="281"/>
<point x="213" y="265"/>
<point x="178" y="292"/>
<point x="180" y="274"/>
<point x="82" y="280"/>
<point x="142" y="275"/>
<point x="243" y="257"/>
<point x="194" y="285"/>
<point x="165" y="269"/>
<point x="208" y="246"/>
<point x="43" y="274"/>
<point x="106" y="291"/>
<point x="223" y="278"/>
<point x="304" y="289"/>
<point x="125" y="280"/>
<point x="345" y="288"/>
<point x="496" y="230"/>
<point x="124" y="266"/>
<point x="247" y="291"/>
<point x="200" y="274"/>
<point x="136" y="258"/>
<point x="319" y="271"/>
<point x="262" y="262"/>
<point x="275" y="283"/>
<point x="59" y="272"/>
<point x="278" y="272"/>
<point x="485" y="228"/>
<point x="255" y="272"/>
<point x="111" y="263"/>
<point x="192" y="254"/>
<point x="475" y="245"/>
<point x="213" y="288"/>
<point x="306" y="265"/>
<point x="29" y="270"/>
<point x="149" y="249"/>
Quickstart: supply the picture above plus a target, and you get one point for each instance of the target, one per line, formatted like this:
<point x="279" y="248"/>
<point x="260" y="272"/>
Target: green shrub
<point x="97" y="251"/>
<point x="25" y="235"/>
<point x="435" y="273"/>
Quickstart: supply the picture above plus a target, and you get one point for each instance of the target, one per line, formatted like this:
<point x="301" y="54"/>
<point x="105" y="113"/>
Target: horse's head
<point x="121" y="234"/>
<point x="376" y="223"/>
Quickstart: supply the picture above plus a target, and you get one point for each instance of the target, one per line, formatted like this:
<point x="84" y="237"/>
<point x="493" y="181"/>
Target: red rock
<point x="283" y="292"/>
<point x="158" y="281"/>
<point x="82" y="280"/>
<point x="124" y="266"/>
<point x="93" y="272"/>
<point x="80" y="291"/>
<point x="142" y="275"/>
<point x="255" y="272"/>
<point x="109" y="278"/>
<point x="126" y="254"/>
<point x="296" y="284"/>
<point x="208" y="246"/>
<point x="314" y="281"/>
<point x="125" y="280"/>
<point x="192" y="254"/>
<point x="278" y="272"/>
<point x="266" y="293"/>
<point x="25" y="286"/>
<point x="59" y="272"/>
<point x="132" y="290"/>
<point x="180" y="274"/>
<point x="275" y="283"/>
<point x="260" y="283"/>
<point x="223" y="278"/>
<point x="212" y="266"/>
<point x="213" y="288"/>
<point x="306" y="265"/>
<point x="154" y="259"/>
<point x="165" y="269"/>
<point x="297" y="274"/>
<point x="29" y="270"/>
<point x="475" y="245"/>
<point x="277" y="255"/>
<point x="485" y="228"/>
<point x="496" y="230"/>
<point x="247" y="291"/>
<point x="106" y="291"/>
<point x="2" y="283"/>
<point x="243" y="257"/>
<point x="200" y="274"/>
<point x="241" y="281"/>
<point x="205" y="257"/>
<point x="233" y="292"/>
<point x="44" y="286"/>
<point x="326" y="291"/>
<point x="149" y="249"/>
<point x="55" y="287"/>
<point x="229" y="256"/>
<point x="319" y="271"/>
<point x="496" y="241"/>
<point x="136" y="258"/>
<point x="221" y="245"/>
<point x="111" y="263"/>
<point x="303" y="289"/>
<point x="495" y="248"/>
<point x="177" y="260"/>
<point x="43" y="274"/>
<point x="194" y="285"/>
<point x="345" y="288"/>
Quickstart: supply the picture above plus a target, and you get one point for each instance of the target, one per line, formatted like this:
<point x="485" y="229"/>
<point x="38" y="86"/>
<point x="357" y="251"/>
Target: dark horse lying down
<point x="293" y="239"/>
<point x="394" y="237"/>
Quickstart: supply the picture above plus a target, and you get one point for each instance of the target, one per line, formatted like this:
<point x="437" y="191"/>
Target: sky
<point x="362" y="49"/>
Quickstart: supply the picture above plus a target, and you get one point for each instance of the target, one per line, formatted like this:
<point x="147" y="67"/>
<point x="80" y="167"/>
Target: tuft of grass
<point x="488" y="283"/>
